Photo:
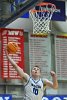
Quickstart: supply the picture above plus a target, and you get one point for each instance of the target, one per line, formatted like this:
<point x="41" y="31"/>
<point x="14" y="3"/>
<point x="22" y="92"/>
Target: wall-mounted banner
<point x="11" y="35"/>
<point x="57" y="97"/>
<point x="5" y="97"/>
<point x="40" y="53"/>
<point x="61" y="56"/>
<point x="59" y="14"/>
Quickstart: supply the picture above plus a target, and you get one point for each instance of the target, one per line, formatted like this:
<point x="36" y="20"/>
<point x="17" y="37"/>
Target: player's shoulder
<point x="45" y="81"/>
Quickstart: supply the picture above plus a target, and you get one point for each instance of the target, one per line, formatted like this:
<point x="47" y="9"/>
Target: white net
<point x="41" y="18"/>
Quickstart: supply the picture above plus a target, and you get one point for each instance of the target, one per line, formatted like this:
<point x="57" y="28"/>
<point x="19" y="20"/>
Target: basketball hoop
<point x="41" y="17"/>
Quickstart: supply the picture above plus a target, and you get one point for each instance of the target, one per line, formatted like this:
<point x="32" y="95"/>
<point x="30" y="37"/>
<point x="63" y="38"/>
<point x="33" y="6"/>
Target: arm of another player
<point x="53" y="84"/>
<point x="20" y="71"/>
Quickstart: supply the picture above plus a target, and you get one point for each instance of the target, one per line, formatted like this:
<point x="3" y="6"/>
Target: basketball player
<point x="34" y="86"/>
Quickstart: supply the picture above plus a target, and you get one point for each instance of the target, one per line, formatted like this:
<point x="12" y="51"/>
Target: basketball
<point x="12" y="47"/>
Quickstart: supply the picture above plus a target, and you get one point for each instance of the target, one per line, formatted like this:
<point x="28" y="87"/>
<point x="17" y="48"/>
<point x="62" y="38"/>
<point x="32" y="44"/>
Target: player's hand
<point x="53" y="74"/>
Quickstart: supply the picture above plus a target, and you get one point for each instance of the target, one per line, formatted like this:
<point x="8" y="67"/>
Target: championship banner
<point x="5" y="97"/>
<point x="40" y="53"/>
<point x="11" y="35"/>
<point x="61" y="56"/>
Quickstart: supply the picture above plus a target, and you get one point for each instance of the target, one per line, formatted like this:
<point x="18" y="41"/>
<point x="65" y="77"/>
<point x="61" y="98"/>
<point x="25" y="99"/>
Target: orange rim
<point x="46" y="3"/>
<point x="42" y="4"/>
<point x="34" y="11"/>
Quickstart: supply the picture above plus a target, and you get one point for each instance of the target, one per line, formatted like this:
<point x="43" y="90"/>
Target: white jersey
<point x="34" y="89"/>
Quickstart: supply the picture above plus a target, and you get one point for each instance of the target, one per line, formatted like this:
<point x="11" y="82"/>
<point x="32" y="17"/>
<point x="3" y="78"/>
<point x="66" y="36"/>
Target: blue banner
<point x="5" y="97"/>
<point x="59" y="14"/>
<point x="55" y="97"/>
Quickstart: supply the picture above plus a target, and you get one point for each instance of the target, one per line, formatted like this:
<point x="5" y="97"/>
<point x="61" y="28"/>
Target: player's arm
<point x="20" y="71"/>
<point x="53" y="84"/>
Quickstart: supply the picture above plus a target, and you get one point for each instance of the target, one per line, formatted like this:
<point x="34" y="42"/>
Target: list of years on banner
<point x="61" y="56"/>
<point x="7" y="69"/>
<point x="40" y="53"/>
